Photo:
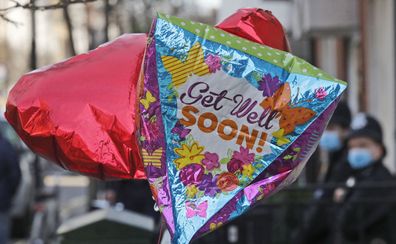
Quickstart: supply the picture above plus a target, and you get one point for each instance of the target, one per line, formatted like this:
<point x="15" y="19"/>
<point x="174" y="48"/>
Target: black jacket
<point x="338" y="169"/>
<point x="135" y="195"/>
<point x="368" y="212"/>
<point x="318" y="220"/>
<point x="10" y="174"/>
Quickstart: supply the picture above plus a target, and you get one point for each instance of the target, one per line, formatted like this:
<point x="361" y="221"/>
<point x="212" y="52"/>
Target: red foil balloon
<point x="80" y="113"/>
<point x="257" y="25"/>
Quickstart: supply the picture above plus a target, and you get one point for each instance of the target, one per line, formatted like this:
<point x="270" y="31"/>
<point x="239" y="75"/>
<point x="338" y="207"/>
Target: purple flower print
<point x="211" y="161"/>
<point x="214" y="63"/>
<point x="191" y="174"/>
<point x="320" y="93"/>
<point x="234" y="165"/>
<point x="269" y="85"/>
<point x="208" y="185"/>
<point x="180" y="130"/>
<point x="243" y="155"/>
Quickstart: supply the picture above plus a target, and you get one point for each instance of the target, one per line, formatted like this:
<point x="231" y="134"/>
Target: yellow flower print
<point x="281" y="138"/>
<point x="189" y="155"/>
<point x="214" y="226"/>
<point x="192" y="191"/>
<point x="248" y="170"/>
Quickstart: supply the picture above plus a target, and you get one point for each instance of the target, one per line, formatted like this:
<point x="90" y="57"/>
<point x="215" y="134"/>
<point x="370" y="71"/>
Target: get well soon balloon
<point x="224" y="122"/>
<point x="81" y="113"/>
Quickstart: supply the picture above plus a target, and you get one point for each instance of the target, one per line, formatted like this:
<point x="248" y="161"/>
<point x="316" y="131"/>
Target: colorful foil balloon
<point x="81" y="113"/>
<point x="256" y="25"/>
<point x="225" y="122"/>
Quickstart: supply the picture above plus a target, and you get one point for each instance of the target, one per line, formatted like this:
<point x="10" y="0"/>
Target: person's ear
<point x="378" y="152"/>
<point x="344" y="133"/>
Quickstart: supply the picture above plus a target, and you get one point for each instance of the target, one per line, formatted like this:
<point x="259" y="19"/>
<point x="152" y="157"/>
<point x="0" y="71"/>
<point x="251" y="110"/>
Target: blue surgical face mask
<point x="359" y="158"/>
<point x="330" y="141"/>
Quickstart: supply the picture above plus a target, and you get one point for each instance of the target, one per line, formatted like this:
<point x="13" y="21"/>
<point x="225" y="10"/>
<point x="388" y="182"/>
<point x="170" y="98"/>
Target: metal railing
<point x="278" y="219"/>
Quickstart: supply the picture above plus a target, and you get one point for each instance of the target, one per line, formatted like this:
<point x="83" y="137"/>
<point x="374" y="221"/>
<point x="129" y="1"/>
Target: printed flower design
<point x="180" y="130"/>
<point x="244" y="155"/>
<point x="248" y="170"/>
<point x="320" y="93"/>
<point x="213" y="62"/>
<point x="214" y="226"/>
<point x="211" y="161"/>
<point x="227" y="182"/>
<point x="192" y="190"/>
<point x="269" y="85"/>
<point x="234" y="165"/>
<point x="205" y="182"/>
<point x="189" y="155"/>
<point x="265" y="190"/>
<point x="212" y="190"/>
<point x="208" y="185"/>
<point x="191" y="174"/>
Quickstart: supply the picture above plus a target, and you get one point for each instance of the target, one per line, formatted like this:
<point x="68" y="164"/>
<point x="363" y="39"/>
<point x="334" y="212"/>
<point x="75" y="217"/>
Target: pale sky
<point x="209" y="3"/>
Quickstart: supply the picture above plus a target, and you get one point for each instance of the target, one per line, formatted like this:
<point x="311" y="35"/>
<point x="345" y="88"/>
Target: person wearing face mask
<point x="332" y="150"/>
<point x="316" y="227"/>
<point x="332" y="143"/>
<point x="359" y="220"/>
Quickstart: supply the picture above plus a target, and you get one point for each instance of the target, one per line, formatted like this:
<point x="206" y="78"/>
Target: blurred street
<point x="73" y="193"/>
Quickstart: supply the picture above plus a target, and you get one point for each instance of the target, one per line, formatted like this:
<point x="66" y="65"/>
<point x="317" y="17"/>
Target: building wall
<point x="380" y="69"/>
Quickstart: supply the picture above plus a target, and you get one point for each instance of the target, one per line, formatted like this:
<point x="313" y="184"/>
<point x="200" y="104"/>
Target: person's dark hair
<point x="342" y="116"/>
<point x="364" y="125"/>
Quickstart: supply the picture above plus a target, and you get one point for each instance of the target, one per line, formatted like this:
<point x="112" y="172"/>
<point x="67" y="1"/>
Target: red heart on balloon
<point x="80" y="113"/>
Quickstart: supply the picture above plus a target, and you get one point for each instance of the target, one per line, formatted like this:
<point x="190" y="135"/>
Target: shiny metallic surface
<point x="203" y="176"/>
